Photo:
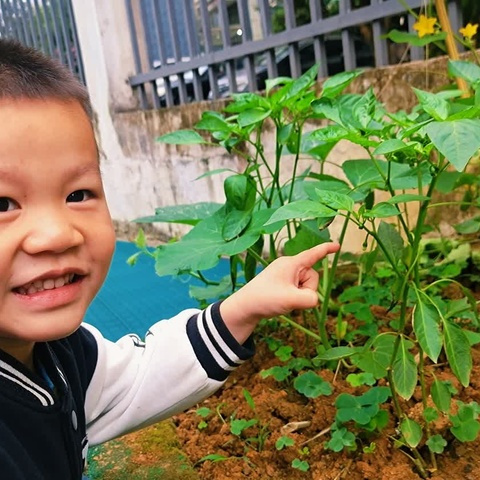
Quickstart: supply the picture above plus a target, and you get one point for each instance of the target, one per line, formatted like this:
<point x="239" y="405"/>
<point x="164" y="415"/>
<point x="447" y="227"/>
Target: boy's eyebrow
<point x="80" y="170"/>
<point x="75" y="171"/>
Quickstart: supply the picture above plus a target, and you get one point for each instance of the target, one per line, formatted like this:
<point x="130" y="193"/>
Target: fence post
<point x="102" y="27"/>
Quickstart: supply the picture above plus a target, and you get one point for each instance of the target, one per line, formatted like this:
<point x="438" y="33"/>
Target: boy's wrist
<point x="238" y="318"/>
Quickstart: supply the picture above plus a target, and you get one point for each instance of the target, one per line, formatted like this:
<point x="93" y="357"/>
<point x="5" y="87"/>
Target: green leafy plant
<point x="203" y="413"/>
<point x="273" y="207"/>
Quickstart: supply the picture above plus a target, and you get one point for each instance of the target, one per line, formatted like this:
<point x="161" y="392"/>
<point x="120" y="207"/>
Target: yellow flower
<point x="425" y="25"/>
<point x="469" y="30"/>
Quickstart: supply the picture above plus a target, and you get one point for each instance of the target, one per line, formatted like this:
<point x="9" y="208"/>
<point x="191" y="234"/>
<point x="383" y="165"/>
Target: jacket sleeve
<point x="180" y="362"/>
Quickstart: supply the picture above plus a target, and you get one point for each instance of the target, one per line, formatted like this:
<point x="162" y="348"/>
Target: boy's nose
<point x="51" y="232"/>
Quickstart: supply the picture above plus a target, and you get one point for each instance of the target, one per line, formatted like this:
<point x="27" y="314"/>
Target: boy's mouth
<point x="47" y="284"/>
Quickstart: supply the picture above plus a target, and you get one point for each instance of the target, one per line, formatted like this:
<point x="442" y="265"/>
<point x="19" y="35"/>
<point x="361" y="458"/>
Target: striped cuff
<point x="216" y="349"/>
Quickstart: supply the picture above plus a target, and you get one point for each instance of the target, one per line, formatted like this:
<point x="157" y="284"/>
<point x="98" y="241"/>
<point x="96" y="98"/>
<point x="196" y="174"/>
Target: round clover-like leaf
<point x="312" y="385"/>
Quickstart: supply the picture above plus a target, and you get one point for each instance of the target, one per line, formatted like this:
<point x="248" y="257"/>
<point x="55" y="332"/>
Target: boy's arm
<point x="187" y="358"/>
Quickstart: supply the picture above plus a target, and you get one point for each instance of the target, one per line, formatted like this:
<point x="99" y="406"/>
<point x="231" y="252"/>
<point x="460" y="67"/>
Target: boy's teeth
<point x="48" y="284"/>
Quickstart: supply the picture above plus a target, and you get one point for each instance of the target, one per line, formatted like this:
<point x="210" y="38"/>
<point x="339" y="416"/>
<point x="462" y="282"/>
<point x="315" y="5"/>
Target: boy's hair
<point x="28" y="73"/>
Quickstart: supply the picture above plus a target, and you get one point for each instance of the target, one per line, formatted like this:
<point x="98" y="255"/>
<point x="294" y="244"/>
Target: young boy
<point x="62" y="384"/>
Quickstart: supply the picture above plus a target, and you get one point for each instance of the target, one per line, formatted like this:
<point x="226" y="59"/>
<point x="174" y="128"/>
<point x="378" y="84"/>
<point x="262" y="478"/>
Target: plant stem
<point x="322" y="316"/>
<point x="421" y="368"/>
<point x="294" y="324"/>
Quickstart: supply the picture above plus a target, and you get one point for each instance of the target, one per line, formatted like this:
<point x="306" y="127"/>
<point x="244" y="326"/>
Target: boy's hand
<point x="286" y="284"/>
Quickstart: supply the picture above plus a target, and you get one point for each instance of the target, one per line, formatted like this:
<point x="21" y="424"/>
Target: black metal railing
<point x="192" y="50"/>
<point x="47" y="25"/>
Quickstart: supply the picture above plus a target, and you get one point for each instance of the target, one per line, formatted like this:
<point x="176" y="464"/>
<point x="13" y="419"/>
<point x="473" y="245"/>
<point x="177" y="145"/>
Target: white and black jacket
<point x="95" y="390"/>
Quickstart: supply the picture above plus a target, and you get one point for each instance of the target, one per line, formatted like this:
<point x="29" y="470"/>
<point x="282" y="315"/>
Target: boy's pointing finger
<point x="311" y="256"/>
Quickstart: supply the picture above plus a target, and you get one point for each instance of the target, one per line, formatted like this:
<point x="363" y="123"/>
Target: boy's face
<point x="56" y="234"/>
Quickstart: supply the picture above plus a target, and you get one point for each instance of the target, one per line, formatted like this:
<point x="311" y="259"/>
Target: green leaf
<point x="213" y="457"/>
<point x="277" y="372"/>
<point x="213" y="121"/>
<point x="283" y="442"/>
<point x="201" y="247"/>
<point x="211" y="292"/>
<point x="238" y="425"/>
<point x="411" y="431"/>
<point x="361" y="409"/>
<point x="364" y="108"/>
<point x="458" y="140"/>
<point x="376" y="359"/>
<point x="441" y="395"/>
<point x="248" y="398"/>
<point x="250" y="117"/>
<point x="182" y="137"/>
<point x="436" y="443"/>
<point x="407" y="197"/>
<point x="240" y="191"/>
<point x="185" y="214"/>
<point x="370" y="174"/>
<point x="413" y="39"/>
<point x="303" y="83"/>
<point x="235" y="223"/>
<point x="337" y="353"/>
<point x="469" y="71"/>
<point x="430" y="414"/>
<point x="301" y="465"/>
<point x="468" y="226"/>
<point x="458" y="352"/>
<point x="341" y="438"/>
<point x="312" y="385"/>
<point x="203" y="412"/>
<point x="433" y="104"/>
<point x="334" y="200"/>
<point x="465" y="424"/>
<point x="140" y="240"/>
<point x="427" y="329"/>
<point x="390" y="146"/>
<point x="333" y="86"/>
<point x="405" y="370"/>
<point x="382" y="210"/>
<point x="302" y="209"/>
<point x="359" y="379"/>
<point x="329" y="134"/>
<point x="326" y="108"/>
<point x="391" y="241"/>
<point x="284" y="353"/>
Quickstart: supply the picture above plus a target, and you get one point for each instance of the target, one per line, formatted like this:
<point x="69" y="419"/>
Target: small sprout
<point x="465" y="424"/>
<point x="312" y="385"/>
<point x="284" y="353"/>
<point x="238" y="425"/>
<point x="283" y="442"/>
<point x="436" y="444"/>
<point x="278" y="373"/>
<point x="341" y="439"/>
<point x="301" y="465"/>
<point x="359" y="379"/>
<point x="203" y="412"/>
<point x="430" y="414"/>
<point x="370" y="448"/>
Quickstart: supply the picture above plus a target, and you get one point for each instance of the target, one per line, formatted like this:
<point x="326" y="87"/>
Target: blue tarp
<point x="134" y="297"/>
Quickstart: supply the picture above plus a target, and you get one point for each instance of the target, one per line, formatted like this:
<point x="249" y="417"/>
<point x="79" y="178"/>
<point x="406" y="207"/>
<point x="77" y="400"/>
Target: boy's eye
<point x="7" y="204"/>
<point x="80" y="196"/>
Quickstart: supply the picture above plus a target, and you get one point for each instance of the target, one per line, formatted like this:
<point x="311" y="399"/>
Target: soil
<point x="176" y="449"/>
<point x="277" y="405"/>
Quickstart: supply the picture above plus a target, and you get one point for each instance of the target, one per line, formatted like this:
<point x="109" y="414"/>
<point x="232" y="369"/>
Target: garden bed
<point x="277" y="405"/>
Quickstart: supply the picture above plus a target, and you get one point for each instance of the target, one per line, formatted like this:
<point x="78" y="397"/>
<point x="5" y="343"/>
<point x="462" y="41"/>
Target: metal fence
<point x="192" y="50"/>
<point x="46" y="25"/>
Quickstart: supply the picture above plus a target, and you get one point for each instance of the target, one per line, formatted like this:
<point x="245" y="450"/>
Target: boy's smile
<point x="56" y="234"/>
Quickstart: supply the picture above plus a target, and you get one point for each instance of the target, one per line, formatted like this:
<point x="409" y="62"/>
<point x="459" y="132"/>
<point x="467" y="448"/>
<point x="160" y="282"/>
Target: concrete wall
<point x="141" y="174"/>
